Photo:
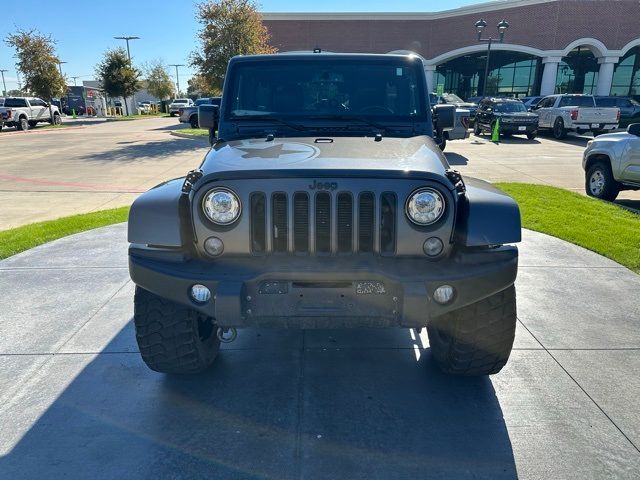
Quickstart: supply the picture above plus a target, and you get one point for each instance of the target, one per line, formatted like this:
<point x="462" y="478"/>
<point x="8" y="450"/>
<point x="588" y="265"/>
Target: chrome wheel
<point x="597" y="183"/>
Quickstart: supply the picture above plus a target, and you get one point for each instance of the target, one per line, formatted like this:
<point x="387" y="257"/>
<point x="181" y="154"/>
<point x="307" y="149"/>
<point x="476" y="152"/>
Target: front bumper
<point x="325" y="292"/>
<point x="515" y="129"/>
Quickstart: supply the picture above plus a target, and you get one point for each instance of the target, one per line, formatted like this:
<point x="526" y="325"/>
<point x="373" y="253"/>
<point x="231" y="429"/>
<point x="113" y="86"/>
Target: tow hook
<point x="227" y="335"/>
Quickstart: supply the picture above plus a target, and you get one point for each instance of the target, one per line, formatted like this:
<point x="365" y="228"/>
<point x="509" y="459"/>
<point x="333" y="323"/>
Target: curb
<point x="191" y="137"/>
<point x="45" y="130"/>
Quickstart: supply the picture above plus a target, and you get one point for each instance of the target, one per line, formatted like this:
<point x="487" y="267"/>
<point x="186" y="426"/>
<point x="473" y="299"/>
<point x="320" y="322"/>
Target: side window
<point x="605" y="102"/>
<point x="546" y="102"/>
<point x="36" y="102"/>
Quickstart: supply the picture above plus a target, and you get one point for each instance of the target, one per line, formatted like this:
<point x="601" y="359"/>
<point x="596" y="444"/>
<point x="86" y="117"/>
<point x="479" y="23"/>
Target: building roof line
<point x="467" y="10"/>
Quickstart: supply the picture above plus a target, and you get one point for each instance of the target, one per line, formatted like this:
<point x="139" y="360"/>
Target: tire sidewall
<point x="609" y="190"/>
<point x="558" y="129"/>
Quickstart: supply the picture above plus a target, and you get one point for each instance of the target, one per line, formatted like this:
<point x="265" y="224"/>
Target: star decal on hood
<point x="274" y="151"/>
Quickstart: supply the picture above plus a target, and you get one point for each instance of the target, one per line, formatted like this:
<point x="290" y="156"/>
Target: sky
<point x="167" y="30"/>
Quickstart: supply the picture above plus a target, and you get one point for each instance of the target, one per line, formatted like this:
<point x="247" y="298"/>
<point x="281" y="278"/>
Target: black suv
<point x="513" y="116"/>
<point x="629" y="108"/>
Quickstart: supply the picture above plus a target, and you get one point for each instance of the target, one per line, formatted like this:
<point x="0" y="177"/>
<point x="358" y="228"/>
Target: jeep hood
<point x="415" y="154"/>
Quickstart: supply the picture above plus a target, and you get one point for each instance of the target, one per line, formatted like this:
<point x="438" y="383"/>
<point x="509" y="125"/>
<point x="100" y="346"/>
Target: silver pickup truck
<point x="561" y="114"/>
<point x="612" y="163"/>
<point x="26" y="112"/>
<point x="190" y="114"/>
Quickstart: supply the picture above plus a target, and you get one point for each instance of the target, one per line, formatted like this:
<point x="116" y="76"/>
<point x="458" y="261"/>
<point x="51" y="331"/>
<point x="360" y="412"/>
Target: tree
<point x="198" y="87"/>
<point x="159" y="83"/>
<point x="16" y="93"/>
<point x="228" y="28"/>
<point x="39" y="64"/>
<point x="118" y="77"/>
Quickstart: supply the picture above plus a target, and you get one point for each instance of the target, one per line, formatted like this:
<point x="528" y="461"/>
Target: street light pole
<point x="126" y="39"/>
<point x="480" y="26"/>
<point x="177" y="75"/>
<point x="4" y="85"/>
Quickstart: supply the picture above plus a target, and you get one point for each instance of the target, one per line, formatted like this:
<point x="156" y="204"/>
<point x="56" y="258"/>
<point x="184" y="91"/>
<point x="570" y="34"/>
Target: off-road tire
<point x="173" y="338"/>
<point x="23" y="124"/>
<point x="532" y="135"/>
<point x="476" y="339"/>
<point x="559" y="132"/>
<point x="193" y="121"/>
<point x="610" y="189"/>
<point x="57" y="120"/>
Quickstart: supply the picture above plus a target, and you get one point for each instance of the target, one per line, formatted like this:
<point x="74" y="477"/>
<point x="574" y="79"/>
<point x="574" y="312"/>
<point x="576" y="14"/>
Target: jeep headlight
<point x="221" y="206"/>
<point x="425" y="206"/>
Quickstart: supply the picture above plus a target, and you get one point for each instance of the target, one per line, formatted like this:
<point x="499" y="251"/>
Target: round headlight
<point x="221" y="206"/>
<point x="425" y="206"/>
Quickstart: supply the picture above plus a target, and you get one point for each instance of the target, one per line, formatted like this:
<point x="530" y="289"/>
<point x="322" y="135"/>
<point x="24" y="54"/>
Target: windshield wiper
<point x="268" y="118"/>
<point x="351" y="117"/>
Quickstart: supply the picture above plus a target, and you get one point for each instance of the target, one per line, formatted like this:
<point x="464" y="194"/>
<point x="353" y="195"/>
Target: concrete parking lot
<point x="77" y="402"/>
<point x="46" y="174"/>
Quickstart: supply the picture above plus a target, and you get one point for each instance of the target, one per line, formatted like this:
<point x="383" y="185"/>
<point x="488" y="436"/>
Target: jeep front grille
<point x="323" y="223"/>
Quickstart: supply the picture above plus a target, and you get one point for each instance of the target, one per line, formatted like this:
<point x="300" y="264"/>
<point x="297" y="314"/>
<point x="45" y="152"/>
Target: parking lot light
<point x="480" y="26"/>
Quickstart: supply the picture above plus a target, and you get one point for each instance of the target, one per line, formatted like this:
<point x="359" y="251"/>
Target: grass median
<point x="19" y="239"/>
<point x="601" y="227"/>
<point x="194" y="132"/>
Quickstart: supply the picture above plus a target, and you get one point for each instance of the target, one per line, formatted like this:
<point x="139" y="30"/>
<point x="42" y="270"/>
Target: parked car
<point x="612" y="163"/>
<point x="512" y="114"/>
<point x="145" y="107"/>
<point x="531" y="102"/>
<point x="26" y="112"/>
<point x="177" y="104"/>
<point x="327" y="205"/>
<point x="190" y="114"/>
<point x="629" y="108"/>
<point x="575" y="113"/>
<point x="453" y="99"/>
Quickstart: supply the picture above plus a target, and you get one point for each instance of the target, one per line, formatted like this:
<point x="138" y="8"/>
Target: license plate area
<point x="287" y="298"/>
<point x="522" y="129"/>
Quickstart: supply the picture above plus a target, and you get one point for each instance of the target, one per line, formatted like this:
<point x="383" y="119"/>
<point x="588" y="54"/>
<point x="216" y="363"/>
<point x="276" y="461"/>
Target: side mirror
<point x="634" y="129"/>
<point x="208" y="116"/>
<point x="444" y="117"/>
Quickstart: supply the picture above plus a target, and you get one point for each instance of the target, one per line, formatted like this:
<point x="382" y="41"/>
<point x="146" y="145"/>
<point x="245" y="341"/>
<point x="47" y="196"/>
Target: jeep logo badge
<point x="316" y="185"/>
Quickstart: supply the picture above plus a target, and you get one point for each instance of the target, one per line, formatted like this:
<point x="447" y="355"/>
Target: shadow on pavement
<point x="570" y="139"/>
<point x="172" y="128"/>
<point x="282" y="405"/>
<point x="456" y="158"/>
<point x="630" y="204"/>
<point x="140" y="151"/>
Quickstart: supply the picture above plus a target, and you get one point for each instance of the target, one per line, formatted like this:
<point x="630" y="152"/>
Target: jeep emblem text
<point x="316" y="185"/>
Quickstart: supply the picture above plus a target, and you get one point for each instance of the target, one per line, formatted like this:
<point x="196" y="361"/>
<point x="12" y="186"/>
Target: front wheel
<point x="476" y="339"/>
<point x="477" y="131"/>
<point x="600" y="182"/>
<point x="559" y="132"/>
<point x="531" y="135"/>
<point x="194" y="121"/>
<point x="173" y="338"/>
<point x="57" y="120"/>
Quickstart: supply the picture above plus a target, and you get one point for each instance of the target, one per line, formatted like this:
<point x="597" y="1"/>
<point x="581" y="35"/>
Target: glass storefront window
<point x="626" y="76"/>
<point x="578" y="72"/>
<point x="511" y="74"/>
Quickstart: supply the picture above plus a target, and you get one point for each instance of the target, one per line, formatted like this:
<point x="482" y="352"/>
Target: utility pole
<point x="4" y="92"/>
<point x="177" y="75"/>
<point x="75" y="84"/>
<point x="62" y="75"/>
<point x="126" y="39"/>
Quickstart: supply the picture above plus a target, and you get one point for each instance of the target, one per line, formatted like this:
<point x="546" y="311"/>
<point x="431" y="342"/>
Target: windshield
<point x="510" y="107"/>
<point x="452" y="98"/>
<point x="389" y="89"/>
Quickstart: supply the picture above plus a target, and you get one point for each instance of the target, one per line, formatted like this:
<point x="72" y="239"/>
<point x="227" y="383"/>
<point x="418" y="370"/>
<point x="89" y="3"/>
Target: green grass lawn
<point x="16" y="240"/>
<point x="601" y="227"/>
<point x="196" y="132"/>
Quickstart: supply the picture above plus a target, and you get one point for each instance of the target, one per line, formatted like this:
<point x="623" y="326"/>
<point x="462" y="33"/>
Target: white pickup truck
<point x="26" y="112"/>
<point x="577" y="113"/>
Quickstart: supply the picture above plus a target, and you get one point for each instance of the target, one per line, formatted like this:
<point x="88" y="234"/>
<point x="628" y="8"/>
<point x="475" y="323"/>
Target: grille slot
<point x="301" y="223"/>
<point x="366" y="221"/>
<point x="258" y="223"/>
<point x="388" y="222"/>
<point x="323" y="223"/>
<point x="345" y="222"/>
<point x="280" y="229"/>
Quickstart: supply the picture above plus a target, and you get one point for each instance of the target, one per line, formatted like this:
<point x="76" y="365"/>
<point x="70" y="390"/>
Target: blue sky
<point x="84" y="30"/>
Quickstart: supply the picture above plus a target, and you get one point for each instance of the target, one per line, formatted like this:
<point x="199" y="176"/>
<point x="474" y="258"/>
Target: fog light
<point x="200" y="293"/>
<point x="213" y="246"/>
<point x="432" y="246"/>
<point x="444" y="294"/>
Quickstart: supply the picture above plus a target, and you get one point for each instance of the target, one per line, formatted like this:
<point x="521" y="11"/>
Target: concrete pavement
<point x="77" y="402"/>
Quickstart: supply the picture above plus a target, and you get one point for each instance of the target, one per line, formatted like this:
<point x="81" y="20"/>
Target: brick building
<point x="575" y="46"/>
